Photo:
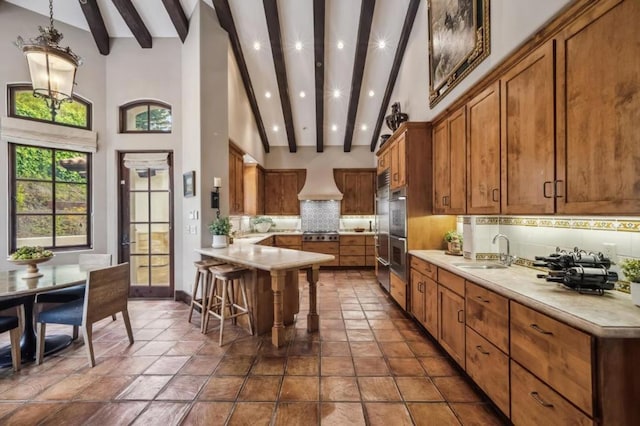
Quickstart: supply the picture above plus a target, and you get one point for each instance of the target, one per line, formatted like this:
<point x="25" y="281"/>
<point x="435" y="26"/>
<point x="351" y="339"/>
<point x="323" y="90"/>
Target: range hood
<point x="320" y="185"/>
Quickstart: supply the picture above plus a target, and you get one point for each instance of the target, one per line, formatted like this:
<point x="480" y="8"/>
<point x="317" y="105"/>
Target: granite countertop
<point x="264" y="257"/>
<point x="612" y="315"/>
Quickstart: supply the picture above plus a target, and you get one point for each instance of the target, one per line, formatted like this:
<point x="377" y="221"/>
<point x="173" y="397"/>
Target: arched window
<point x="144" y="116"/>
<point x="22" y="104"/>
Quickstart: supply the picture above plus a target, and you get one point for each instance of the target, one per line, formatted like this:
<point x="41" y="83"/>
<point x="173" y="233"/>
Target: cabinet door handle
<point x="483" y="300"/>
<point x="482" y="351"/>
<point x="445" y="200"/>
<point x="537" y="328"/>
<point x="495" y="195"/>
<point x="544" y="189"/>
<point x="461" y="320"/>
<point x="539" y="400"/>
<point x="395" y="176"/>
<point x="555" y="188"/>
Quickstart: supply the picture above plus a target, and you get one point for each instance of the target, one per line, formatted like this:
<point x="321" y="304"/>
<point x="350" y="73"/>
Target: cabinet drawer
<point x="352" y="250"/>
<point x="356" y="240"/>
<point x="288" y="240"/>
<point x="321" y="247"/>
<point x="370" y="251"/>
<point x="556" y="353"/>
<point x="488" y="314"/>
<point x="399" y="291"/>
<point x="424" y="267"/>
<point x="534" y="403"/>
<point x="352" y="260"/>
<point x="370" y="240"/>
<point x="489" y="368"/>
<point x="451" y="281"/>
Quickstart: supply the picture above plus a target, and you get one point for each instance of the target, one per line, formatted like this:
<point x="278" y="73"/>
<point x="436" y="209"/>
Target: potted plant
<point x="454" y="242"/>
<point x="262" y="223"/>
<point x="220" y="229"/>
<point x="631" y="271"/>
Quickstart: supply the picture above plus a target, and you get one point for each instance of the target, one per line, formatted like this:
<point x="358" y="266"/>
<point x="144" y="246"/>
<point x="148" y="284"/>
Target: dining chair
<point x="69" y="294"/>
<point x="13" y="324"/>
<point x="106" y="293"/>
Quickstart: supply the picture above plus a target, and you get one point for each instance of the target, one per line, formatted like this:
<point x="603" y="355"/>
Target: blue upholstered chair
<point x="106" y="294"/>
<point x="13" y="324"/>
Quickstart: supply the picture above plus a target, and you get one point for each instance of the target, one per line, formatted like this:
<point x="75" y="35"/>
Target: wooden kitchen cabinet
<point x="424" y="301"/>
<point x="449" y="164"/>
<point x="288" y="241"/>
<point x="451" y="328"/>
<point x="487" y="313"/>
<point x="236" y="181"/>
<point x="527" y="134"/>
<point x="358" y="187"/>
<point x="384" y="162"/>
<point x="357" y="250"/>
<point x="325" y="247"/>
<point x="398" y="290"/>
<point x="281" y="188"/>
<point x="398" y="161"/>
<point x="483" y="152"/>
<point x="253" y="189"/>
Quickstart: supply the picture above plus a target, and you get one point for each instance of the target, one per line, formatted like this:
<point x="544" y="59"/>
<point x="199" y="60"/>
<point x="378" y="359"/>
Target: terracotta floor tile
<point x="165" y="413"/>
<point x="208" y="414"/>
<point x="142" y="334"/>
<point x="331" y="324"/>
<point x="371" y="366"/>
<point x="372" y="307"/>
<point x="30" y="387"/>
<point x="303" y="366"/>
<point x="365" y="349"/>
<point x="185" y="348"/>
<point x="203" y="365"/>
<point x="167" y="365"/>
<point x="438" y="366"/>
<point x="351" y="306"/>
<point x="360" y="335"/>
<point x="221" y="389"/>
<point x="381" y="324"/>
<point x="304" y="348"/>
<point x="212" y="348"/>
<point x="376" y="315"/>
<point x="155" y="348"/>
<point x="383" y="414"/>
<point x="418" y="389"/>
<point x="30" y="414"/>
<point x="245" y="347"/>
<point x="297" y="413"/>
<point x="182" y="388"/>
<point x="337" y="314"/>
<point x="117" y="413"/>
<point x="412" y="335"/>
<point x="341" y="413"/>
<point x="261" y="388"/>
<point x="333" y="336"/>
<point x="144" y="387"/>
<point x="335" y="349"/>
<point x="353" y="315"/>
<point x="74" y="413"/>
<point x="336" y="366"/>
<point x="405" y="367"/>
<point x="456" y="389"/>
<point x="476" y="414"/>
<point x="252" y="414"/>
<point x="133" y="365"/>
<point x="424" y="348"/>
<point x="432" y="414"/>
<point x="396" y="350"/>
<point x="378" y="389"/>
<point x="300" y="388"/>
<point x="234" y="366"/>
<point x="388" y="335"/>
<point x="66" y="388"/>
<point x="8" y="407"/>
<point x="269" y="366"/>
<point x="339" y="389"/>
<point x="356" y="324"/>
<point x="104" y="388"/>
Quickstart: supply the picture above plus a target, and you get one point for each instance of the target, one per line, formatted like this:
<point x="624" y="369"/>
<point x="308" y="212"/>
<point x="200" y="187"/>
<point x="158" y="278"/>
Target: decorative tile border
<point x="622" y="224"/>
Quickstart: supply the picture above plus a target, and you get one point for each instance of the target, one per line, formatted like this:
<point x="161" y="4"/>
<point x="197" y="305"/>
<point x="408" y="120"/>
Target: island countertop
<point x="612" y="315"/>
<point x="245" y="252"/>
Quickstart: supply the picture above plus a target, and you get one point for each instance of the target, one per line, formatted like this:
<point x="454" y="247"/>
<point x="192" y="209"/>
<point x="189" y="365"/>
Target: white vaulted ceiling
<point x="296" y="18"/>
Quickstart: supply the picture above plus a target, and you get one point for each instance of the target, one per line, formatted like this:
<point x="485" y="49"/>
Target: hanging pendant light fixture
<point x="52" y="68"/>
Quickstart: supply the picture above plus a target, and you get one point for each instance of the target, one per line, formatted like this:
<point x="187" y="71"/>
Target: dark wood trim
<point x="179" y="19"/>
<point x="184" y="297"/>
<point x="141" y="102"/>
<point x="134" y="22"/>
<point x="409" y="19"/>
<point x="273" y="26"/>
<point x="364" y="31"/>
<point x="99" y="32"/>
<point x="318" y="56"/>
<point x="223" y="13"/>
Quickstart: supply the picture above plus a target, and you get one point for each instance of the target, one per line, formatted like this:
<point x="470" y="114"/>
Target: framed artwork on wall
<point x="189" y="183"/>
<point x="459" y="39"/>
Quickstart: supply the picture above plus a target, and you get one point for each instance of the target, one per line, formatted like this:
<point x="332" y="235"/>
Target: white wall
<point x="333" y="157"/>
<point x="512" y="23"/>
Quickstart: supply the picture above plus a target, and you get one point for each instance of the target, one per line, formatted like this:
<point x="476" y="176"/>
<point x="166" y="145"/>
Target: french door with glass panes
<point x="146" y="222"/>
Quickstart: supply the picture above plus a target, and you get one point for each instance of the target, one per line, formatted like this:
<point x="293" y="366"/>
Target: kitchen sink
<point x="480" y="265"/>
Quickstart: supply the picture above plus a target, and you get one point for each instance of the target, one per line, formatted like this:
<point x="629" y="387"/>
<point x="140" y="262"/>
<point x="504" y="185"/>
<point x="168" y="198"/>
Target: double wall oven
<point x="398" y="232"/>
<point x="382" y="229"/>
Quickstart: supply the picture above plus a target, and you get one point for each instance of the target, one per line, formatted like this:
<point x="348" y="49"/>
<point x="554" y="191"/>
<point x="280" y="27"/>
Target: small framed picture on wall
<point x="189" y="183"/>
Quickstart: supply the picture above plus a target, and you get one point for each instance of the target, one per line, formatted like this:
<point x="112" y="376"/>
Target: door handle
<point x="461" y="321"/>
<point x="495" y="191"/>
<point x="555" y="188"/>
<point x="544" y="189"/>
<point x="127" y="243"/>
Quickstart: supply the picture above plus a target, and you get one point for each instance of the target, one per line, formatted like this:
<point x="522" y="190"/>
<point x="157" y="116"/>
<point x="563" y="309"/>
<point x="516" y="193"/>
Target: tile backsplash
<point x="320" y="215"/>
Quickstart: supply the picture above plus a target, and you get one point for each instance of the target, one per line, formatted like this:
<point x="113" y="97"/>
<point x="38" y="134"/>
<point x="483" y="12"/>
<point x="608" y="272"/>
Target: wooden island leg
<point x="277" y="286"/>
<point x="313" y="320"/>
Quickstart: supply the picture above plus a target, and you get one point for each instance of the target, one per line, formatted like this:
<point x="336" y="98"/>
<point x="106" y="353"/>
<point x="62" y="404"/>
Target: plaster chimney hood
<point x="320" y="185"/>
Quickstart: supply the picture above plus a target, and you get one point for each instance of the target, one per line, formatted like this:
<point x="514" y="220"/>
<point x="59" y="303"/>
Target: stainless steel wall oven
<point x="382" y="229"/>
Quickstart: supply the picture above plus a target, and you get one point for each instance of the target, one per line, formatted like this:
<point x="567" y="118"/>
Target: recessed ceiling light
<point x="256" y="45"/>
<point x="363" y="127"/>
<point x="382" y="44"/>
<point x="334" y="127"/>
<point x="302" y="94"/>
<point x="340" y="44"/>
<point x="276" y="128"/>
<point x="298" y="45"/>
<point x="371" y="93"/>
<point x="336" y="93"/>
<point x="267" y="95"/>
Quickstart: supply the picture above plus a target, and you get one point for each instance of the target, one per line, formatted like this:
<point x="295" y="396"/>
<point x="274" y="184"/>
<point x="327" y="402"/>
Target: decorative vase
<point x="219" y="241"/>
<point x="262" y="227"/>
<point x="454" y="247"/>
<point x="635" y="293"/>
<point x="396" y="117"/>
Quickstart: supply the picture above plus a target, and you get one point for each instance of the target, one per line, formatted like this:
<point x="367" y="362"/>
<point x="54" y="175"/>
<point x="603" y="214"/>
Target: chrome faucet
<point x="505" y="258"/>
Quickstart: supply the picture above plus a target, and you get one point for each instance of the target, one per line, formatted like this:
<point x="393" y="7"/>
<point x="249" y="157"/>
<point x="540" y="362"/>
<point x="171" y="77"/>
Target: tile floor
<point x="368" y="364"/>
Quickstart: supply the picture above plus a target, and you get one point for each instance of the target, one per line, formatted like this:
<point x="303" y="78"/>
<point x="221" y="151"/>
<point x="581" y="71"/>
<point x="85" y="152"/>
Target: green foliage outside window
<point x="26" y="105"/>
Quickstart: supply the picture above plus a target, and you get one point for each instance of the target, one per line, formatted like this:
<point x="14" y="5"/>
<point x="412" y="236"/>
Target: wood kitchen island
<point x="282" y="265"/>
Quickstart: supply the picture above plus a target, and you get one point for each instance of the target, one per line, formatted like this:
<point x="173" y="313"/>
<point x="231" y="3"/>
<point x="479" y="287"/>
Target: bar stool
<point x="203" y="274"/>
<point x="217" y="304"/>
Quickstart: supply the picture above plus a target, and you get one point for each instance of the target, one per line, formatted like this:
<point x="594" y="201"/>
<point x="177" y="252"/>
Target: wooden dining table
<point x="15" y="288"/>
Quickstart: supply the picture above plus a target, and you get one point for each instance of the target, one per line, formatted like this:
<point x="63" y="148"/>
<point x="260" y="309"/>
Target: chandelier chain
<point x="51" y="13"/>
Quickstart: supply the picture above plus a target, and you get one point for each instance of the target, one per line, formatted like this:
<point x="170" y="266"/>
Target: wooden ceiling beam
<point x="273" y="26"/>
<point x="318" y="56"/>
<point x="99" y="32"/>
<point x="364" y="31"/>
<point x="134" y="22"/>
<point x="223" y="11"/>
<point x="409" y="19"/>
<point x="178" y="17"/>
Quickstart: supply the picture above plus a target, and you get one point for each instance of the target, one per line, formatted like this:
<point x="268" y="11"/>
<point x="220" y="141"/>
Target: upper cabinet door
<point x="527" y="134"/>
<point x="441" y="152"/>
<point x="449" y="164"/>
<point x="483" y="152"/>
<point x="598" y="111"/>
